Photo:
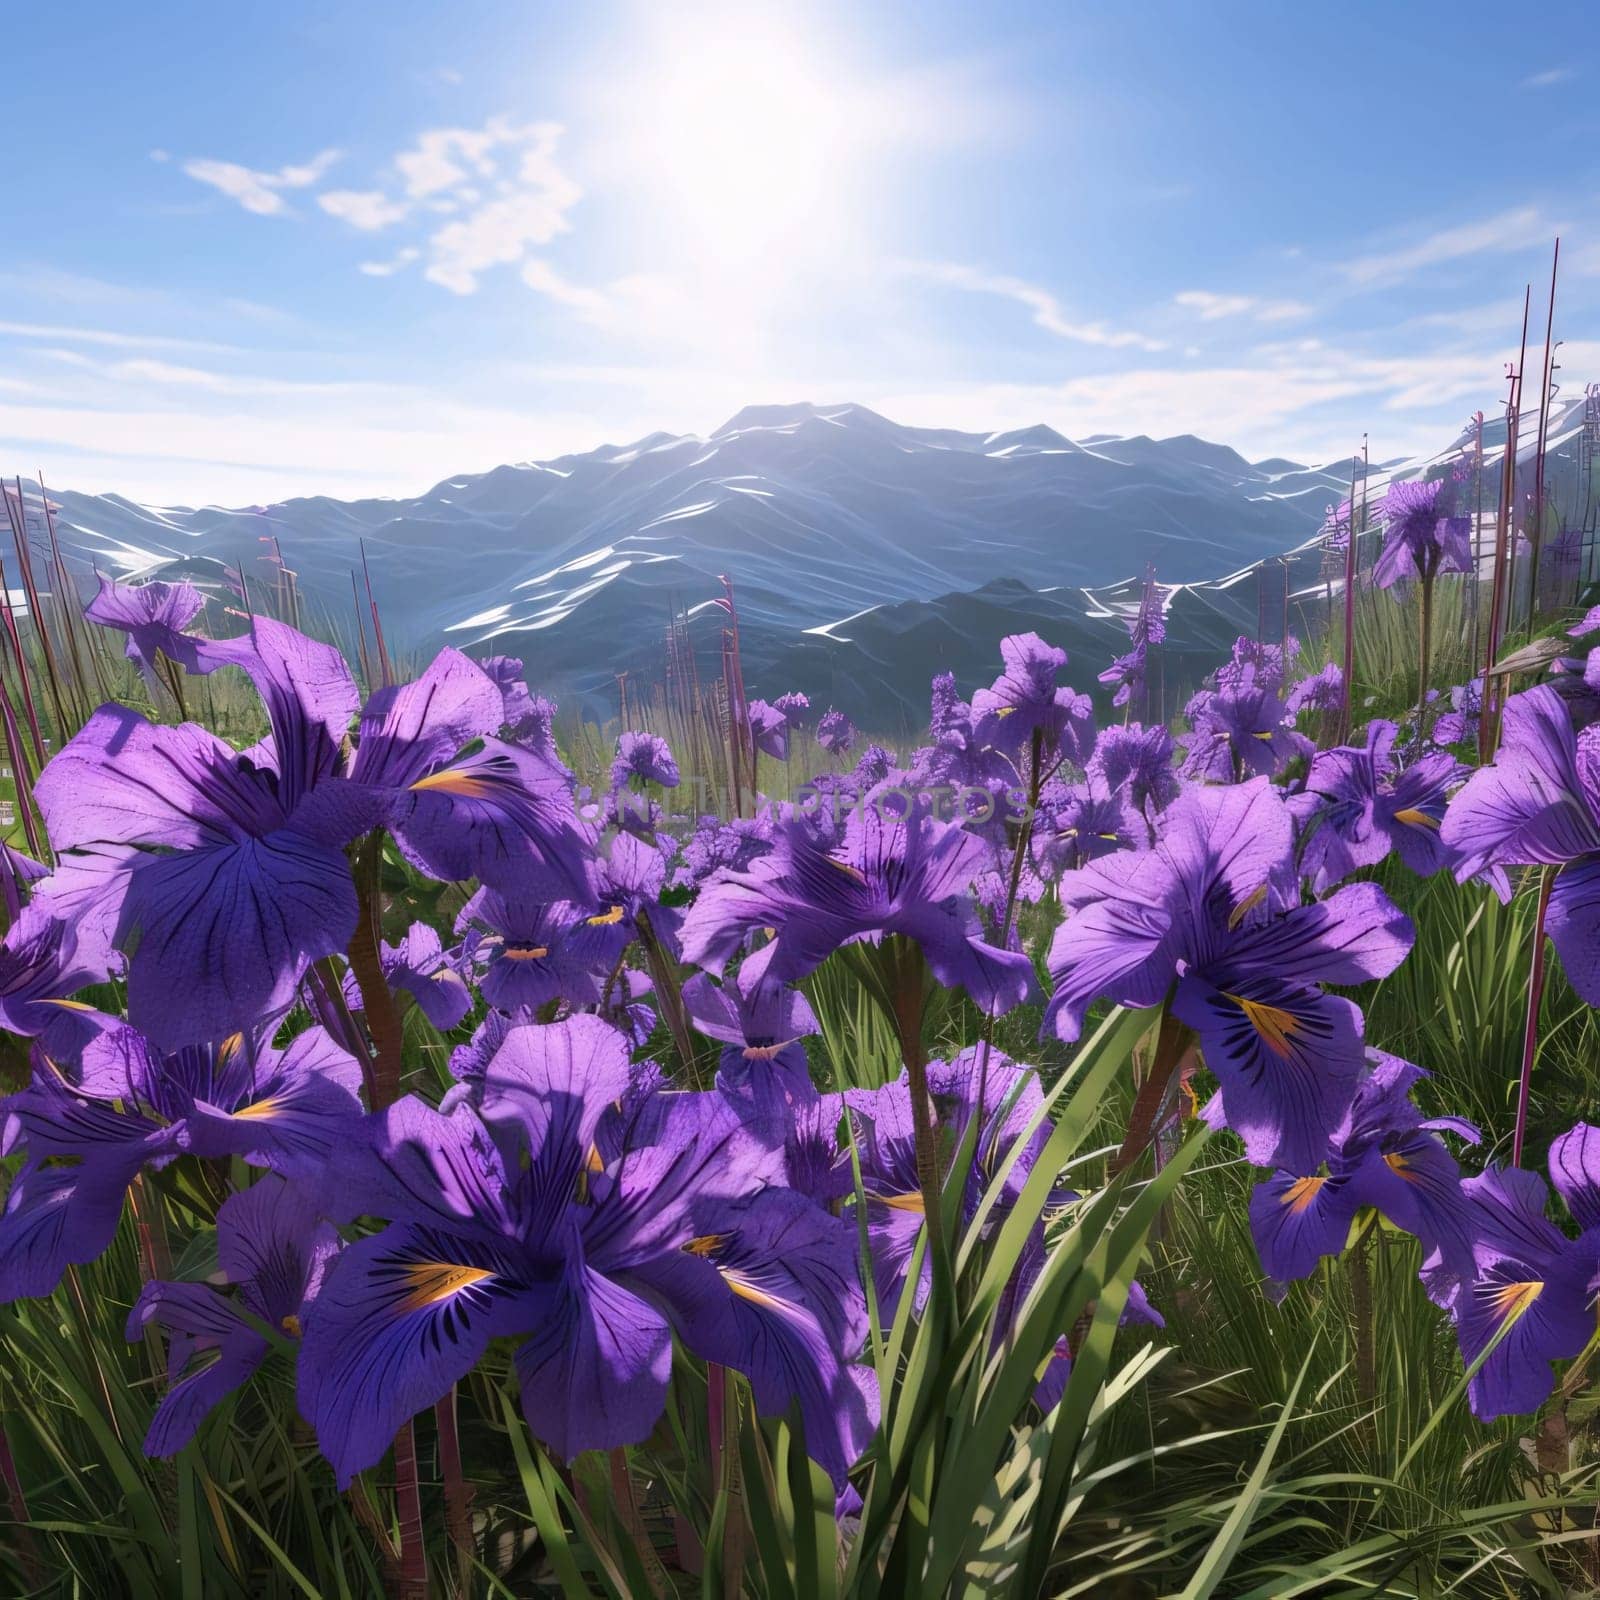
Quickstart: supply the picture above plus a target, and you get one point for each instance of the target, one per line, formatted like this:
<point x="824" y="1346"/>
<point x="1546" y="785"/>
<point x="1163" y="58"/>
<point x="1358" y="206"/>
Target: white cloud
<point x="367" y="209"/>
<point x="445" y="157"/>
<point x="398" y="262"/>
<point x="590" y="304"/>
<point x="499" y="232"/>
<point x="1510" y="230"/>
<point x="1046" y="309"/>
<point x="500" y="186"/>
<point x="260" y="192"/>
<point x="1547" y="79"/>
<point x="1214" y="307"/>
<point x="116" y="340"/>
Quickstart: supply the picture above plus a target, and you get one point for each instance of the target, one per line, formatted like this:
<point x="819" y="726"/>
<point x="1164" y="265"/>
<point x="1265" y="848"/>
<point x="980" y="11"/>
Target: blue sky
<point x="256" y="251"/>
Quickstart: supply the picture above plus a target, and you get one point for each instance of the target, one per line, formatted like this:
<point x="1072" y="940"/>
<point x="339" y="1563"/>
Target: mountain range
<point x="864" y="555"/>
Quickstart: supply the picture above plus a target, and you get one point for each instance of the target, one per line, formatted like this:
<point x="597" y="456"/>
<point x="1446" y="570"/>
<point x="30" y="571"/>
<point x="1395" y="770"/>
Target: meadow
<point x="456" y="1149"/>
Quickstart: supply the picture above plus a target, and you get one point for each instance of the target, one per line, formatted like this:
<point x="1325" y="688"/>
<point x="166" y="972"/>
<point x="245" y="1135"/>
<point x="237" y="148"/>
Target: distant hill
<point x="865" y="555"/>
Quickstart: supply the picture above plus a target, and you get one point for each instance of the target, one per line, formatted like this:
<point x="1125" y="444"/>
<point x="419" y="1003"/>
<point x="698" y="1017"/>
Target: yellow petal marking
<point x="1417" y="819"/>
<point x="1275" y="1026"/>
<point x="1301" y="1194"/>
<point x="1246" y="906"/>
<point x="1511" y="1298"/>
<point x="452" y="780"/>
<point x="433" y="1281"/>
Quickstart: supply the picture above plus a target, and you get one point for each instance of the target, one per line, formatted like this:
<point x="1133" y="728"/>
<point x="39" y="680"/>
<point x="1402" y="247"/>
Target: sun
<point x="746" y="140"/>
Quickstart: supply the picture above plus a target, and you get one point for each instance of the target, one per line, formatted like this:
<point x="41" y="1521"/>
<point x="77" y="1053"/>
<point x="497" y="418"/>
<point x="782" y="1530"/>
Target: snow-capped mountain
<point x="864" y="555"/>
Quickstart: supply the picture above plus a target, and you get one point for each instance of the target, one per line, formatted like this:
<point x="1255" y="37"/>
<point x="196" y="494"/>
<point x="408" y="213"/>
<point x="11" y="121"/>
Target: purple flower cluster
<point x="565" y="1193"/>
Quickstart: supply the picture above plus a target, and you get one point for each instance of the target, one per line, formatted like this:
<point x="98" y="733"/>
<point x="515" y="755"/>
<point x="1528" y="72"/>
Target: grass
<point x="1242" y="1451"/>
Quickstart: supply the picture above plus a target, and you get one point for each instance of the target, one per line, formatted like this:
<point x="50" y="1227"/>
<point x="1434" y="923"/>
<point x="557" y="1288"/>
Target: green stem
<point x="1425" y="630"/>
<point x="909" y="997"/>
<point x="1172" y="1040"/>
<point x="669" y="994"/>
<point x="1361" y="1319"/>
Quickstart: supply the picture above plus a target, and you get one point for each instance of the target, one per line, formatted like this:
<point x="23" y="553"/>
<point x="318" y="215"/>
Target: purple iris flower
<point x="763" y="1070"/>
<point x="1080" y="822"/>
<point x="225" y="872"/>
<point x="525" y="1217"/>
<point x="758" y="1022"/>
<point x="459" y="803"/>
<point x="1525" y="1267"/>
<point x="42" y="965"/>
<point x="957" y="758"/>
<point x="153" y="615"/>
<point x="273" y="1247"/>
<point x="646" y="756"/>
<point x="293" y="1109"/>
<point x="1422" y="532"/>
<point x="1459" y="725"/>
<point x="532" y="952"/>
<point x="1322" y="690"/>
<point x="1026" y="700"/>
<point x="1239" y="731"/>
<point x="715" y="844"/>
<point x="419" y="966"/>
<point x="18" y="874"/>
<point x="1210" y="914"/>
<point x="1258" y="661"/>
<point x="886" y="1148"/>
<point x="1359" y="804"/>
<point x="528" y="719"/>
<point x="769" y="728"/>
<point x="903" y="873"/>
<point x="835" y="733"/>
<point x="1147" y="626"/>
<point x="796" y="709"/>
<point x="1539" y="804"/>
<point x="1384" y="1154"/>
<point x="1138" y="760"/>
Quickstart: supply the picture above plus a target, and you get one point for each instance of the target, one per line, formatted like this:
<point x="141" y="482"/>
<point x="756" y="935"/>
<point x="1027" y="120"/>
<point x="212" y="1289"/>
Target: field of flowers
<point x="1073" y="1157"/>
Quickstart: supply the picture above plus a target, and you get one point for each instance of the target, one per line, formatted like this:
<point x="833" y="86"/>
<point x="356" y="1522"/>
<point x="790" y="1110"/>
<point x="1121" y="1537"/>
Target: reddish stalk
<point x="411" y="1576"/>
<point x="1536" y="530"/>
<point x="70" y="604"/>
<point x="387" y="1031"/>
<point x="361" y="635"/>
<point x="377" y="626"/>
<point x="633" y="1524"/>
<point x="457" y="1495"/>
<point x="15" y="639"/>
<point x="19" y="532"/>
<point x="377" y="999"/>
<point x="19" y="770"/>
<point x="17" y="1503"/>
<point x="1172" y="1041"/>
<point x="1499" y="600"/>
<point x="1346" y="713"/>
<point x="1530" y="1027"/>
